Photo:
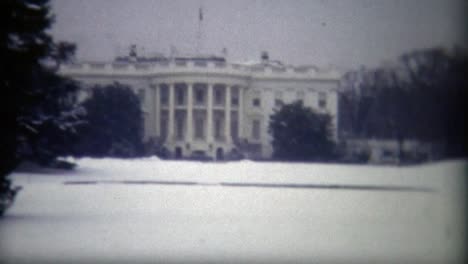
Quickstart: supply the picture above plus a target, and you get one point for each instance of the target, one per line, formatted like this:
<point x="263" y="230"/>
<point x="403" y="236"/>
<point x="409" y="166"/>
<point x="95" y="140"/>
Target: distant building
<point x="206" y="106"/>
<point x="389" y="151"/>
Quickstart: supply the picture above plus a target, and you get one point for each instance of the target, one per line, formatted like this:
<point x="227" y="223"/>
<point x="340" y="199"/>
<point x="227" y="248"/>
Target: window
<point x="234" y="101"/>
<point x="199" y="96"/>
<point x="180" y="96"/>
<point x="199" y="121"/>
<point x="180" y="128"/>
<point x="234" y="130"/>
<point x="218" y="124"/>
<point x="218" y="128"/>
<point x="234" y="125"/>
<point x="235" y="96"/>
<point x="199" y="128"/>
<point x="322" y="100"/>
<point x="164" y="128"/>
<point x="164" y="93"/>
<point x="256" y="102"/>
<point x="163" y="124"/>
<point x="256" y="129"/>
<point x="218" y="96"/>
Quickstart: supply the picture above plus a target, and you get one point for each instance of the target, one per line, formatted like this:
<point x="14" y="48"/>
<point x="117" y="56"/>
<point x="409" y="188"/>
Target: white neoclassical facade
<point x="206" y="106"/>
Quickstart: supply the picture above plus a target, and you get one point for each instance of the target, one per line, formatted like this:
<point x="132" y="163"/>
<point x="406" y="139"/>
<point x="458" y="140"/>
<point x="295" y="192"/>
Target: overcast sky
<point x="345" y="33"/>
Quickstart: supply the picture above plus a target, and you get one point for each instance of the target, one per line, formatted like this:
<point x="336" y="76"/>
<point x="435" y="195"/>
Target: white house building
<point x="206" y="106"/>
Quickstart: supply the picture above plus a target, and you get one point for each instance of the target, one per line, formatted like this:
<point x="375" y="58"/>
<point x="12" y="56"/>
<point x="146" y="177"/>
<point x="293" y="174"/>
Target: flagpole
<point x="199" y="33"/>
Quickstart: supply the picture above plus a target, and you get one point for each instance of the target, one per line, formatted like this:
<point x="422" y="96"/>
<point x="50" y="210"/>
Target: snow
<point x="93" y="214"/>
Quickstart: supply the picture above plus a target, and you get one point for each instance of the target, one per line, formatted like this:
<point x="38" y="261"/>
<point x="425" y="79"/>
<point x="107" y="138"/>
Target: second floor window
<point x="322" y="100"/>
<point x="234" y="101"/>
<point x="180" y="97"/>
<point x="235" y="96"/>
<point x="256" y="102"/>
<point x="164" y="92"/>
<point x="199" y="96"/>
<point x="218" y="96"/>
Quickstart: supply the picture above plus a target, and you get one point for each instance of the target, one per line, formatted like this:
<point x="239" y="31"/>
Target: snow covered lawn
<point x="110" y="210"/>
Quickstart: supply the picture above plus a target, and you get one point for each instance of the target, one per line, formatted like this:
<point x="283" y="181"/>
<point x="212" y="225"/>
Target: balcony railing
<point x="198" y="66"/>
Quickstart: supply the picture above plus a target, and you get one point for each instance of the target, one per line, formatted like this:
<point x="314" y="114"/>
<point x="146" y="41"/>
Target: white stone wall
<point x="292" y="90"/>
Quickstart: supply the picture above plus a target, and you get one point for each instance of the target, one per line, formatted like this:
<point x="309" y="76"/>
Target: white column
<point x="157" y="110"/>
<point x="209" y="115"/>
<point x="227" y="115"/>
<point x="189" y="131"/>
<point x="240" y="112"/>
<point x="170" y="129"/>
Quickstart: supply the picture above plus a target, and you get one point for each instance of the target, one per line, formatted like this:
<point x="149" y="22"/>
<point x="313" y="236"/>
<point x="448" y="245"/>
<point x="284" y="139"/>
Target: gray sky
<point x="345" y="33"/>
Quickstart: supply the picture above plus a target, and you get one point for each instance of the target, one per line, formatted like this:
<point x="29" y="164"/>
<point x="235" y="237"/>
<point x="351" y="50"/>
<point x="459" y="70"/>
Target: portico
<point x="198" y="116"/>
